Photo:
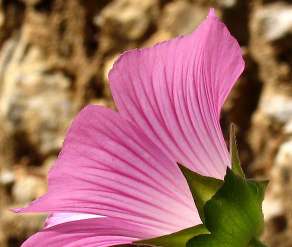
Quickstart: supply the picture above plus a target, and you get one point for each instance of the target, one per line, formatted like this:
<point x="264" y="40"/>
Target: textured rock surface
<point x="270" y="134"/>
<point x="55" y="56"/>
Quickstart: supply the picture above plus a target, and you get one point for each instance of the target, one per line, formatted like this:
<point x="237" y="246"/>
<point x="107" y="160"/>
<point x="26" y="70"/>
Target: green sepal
<point x="202" y="188"/>
<point x="235" y="161"/>
<point x="234" y="214"/>
<point x="256" y="243"/>
<point x="178" y="239"/>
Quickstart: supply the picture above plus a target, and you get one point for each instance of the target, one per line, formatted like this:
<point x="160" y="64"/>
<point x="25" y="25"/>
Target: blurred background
<point x="54" y="59"/>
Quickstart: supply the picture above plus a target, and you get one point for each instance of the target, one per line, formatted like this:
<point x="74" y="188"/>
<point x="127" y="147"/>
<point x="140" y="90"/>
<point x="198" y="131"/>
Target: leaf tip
<point x="235" y="161"/>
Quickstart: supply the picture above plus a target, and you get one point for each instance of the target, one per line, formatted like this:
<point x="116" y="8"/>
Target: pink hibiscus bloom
<point x="116" y="179"/>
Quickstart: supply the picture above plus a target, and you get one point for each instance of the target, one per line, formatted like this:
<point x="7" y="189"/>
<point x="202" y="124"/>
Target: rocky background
<point x="54" y="59"/>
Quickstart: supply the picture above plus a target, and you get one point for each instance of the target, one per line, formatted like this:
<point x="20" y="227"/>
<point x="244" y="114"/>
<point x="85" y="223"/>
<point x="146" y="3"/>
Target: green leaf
<point x="235" y="161"/>
<point x="202" y="188"/>
<point x="234" y="214"/>
<point x="178" y="239"/>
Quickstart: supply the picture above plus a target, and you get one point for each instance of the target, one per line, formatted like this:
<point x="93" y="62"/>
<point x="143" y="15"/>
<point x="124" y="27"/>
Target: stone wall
<point x="54" y="59"/>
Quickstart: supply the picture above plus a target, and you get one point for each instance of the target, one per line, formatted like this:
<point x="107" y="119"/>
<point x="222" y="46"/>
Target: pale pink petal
<point x="101" y="232"/>
<point x="59" y="218"/>
<point x="175" y="90"/>
<point x="109" y="167"/>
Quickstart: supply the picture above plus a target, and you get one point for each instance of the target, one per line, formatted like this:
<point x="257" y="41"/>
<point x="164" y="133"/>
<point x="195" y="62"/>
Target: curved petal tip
<point x="212" y="13"/>
<point x="15" y="210"/>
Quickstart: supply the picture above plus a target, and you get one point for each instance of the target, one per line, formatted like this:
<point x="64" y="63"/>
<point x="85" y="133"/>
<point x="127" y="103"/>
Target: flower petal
<point x="109" y="167"/>
<point x="175" y="91"/>
<point x="99" y="232"/>
<point x="59" y="218"/>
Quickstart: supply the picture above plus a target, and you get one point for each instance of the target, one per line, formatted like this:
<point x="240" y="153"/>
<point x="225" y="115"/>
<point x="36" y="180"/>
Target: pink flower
<point x="122" y="165"/>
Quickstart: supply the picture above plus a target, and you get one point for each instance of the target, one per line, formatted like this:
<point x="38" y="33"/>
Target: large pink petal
<point x="174" y="91"/>
<point x="109" y="167"/>
<point x="101" y="232"/>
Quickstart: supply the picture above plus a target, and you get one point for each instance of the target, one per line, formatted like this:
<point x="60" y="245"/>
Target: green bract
<point x="233" y="215"/>
<point x="178" y="239"/>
